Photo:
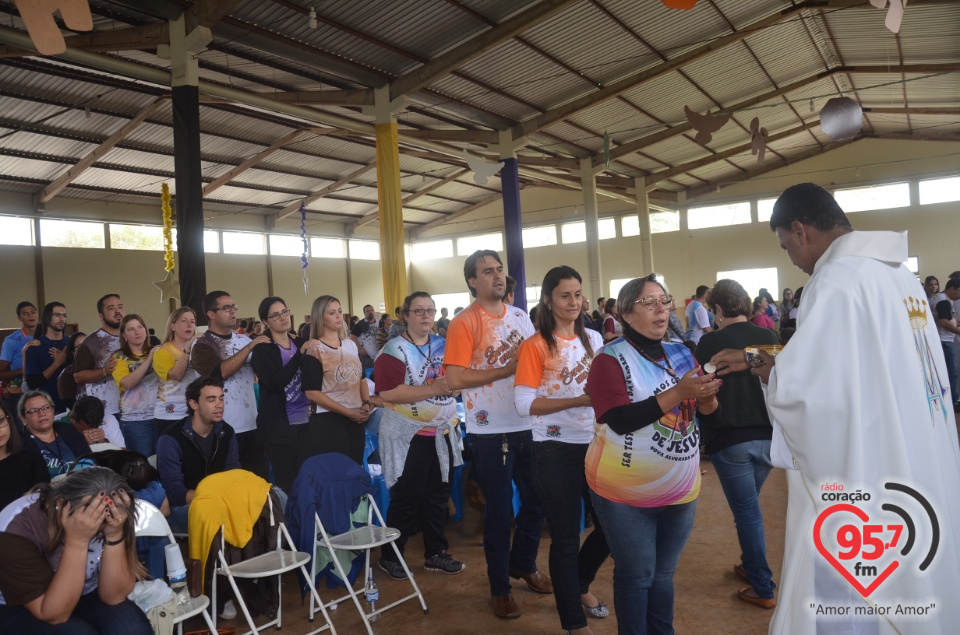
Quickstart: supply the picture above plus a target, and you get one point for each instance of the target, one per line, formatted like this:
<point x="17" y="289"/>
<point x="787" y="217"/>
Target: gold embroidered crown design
<point x="917" y="310"/>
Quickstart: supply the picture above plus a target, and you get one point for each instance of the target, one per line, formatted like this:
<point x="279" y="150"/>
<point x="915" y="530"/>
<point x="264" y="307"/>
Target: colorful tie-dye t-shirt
<point x="559" y="376"/>
<point x="480" y="341"/>
<point x="658" y="464"/>
<point x="421" y="365"/>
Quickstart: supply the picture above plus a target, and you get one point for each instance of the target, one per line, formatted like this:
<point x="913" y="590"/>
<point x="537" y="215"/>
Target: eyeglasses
<point x="422" y="312"/>
<point x="227" y="307"/>
<point x="60" y="315"/>
<point x="4" y="420"/>
<point x="650" y="303"/>
<point x="34" y="411"/>
<point x="279" y="314"/>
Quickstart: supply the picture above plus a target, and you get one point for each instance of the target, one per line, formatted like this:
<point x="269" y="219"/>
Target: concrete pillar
<point x="588" y="183"/>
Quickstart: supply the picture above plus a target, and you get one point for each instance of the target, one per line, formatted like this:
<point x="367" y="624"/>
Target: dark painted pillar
<point x="513" y="229"/>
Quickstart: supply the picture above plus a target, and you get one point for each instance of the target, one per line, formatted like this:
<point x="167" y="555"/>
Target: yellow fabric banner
<point x="392" y="255"/>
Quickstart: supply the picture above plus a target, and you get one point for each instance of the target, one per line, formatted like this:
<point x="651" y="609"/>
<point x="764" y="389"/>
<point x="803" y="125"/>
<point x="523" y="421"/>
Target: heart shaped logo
<point x="849" y="577"/>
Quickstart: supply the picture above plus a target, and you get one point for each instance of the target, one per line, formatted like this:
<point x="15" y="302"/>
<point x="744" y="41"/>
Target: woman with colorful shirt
<point x="419" y="443"/>
<point x="643" y="466"/>
<point x="550" y="387"/>
<point x="333" y="381"/>
<point x="171" y="363"/>
<point x="138" y="385"/>
<point x="284" y="409"/>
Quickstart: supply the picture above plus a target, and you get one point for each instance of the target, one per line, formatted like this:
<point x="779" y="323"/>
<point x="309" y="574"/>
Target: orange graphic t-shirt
<point x="480" y="341"/>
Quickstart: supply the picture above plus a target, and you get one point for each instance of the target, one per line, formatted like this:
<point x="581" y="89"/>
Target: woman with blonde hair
<point x="171" y="363"/>
<point x="333" y="381"/>
<point x="70" y="558"/>
<point x="138" y="385"/>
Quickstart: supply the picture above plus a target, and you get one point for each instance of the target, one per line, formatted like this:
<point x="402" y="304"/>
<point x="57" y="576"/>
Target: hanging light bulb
<point x="86" y="111"/>
<point x="811" y="105"/>
<point x="312" y="18"/>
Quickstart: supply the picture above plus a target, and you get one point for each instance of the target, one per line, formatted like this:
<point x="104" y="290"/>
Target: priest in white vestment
<point x="861" y="406"/>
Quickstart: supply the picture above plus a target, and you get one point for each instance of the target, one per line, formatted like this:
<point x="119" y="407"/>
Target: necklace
<point x="429" y="354"/>
<point x="668" y="368"/>
<point x="58" y="451"/>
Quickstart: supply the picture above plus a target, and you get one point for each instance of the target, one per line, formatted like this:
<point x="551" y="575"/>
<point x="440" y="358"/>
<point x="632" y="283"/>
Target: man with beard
<point x="11" y="358"/>
<point x="364" y="335"/>
<point x="45" y="360"/>
<point x="94" y="362"/>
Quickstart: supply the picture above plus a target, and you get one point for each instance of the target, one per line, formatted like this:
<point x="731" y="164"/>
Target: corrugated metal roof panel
<point x="617" y="117"/>
<point x="586" y="39"/>
<point x="30" y="168"/>
<point x="593" y="141"/>
<point x="744" y="12"/>
<point x="469" y="93"/>
<point x="799" y="58"/>
<point x="33" y="142"/>
<point x="664" y="97"/>
<point x="729" y="76"/>
<point x="115" y="179"/>
<point x="518" y="70"/>
<point x="675" y="150"/>
<point x="667" y="30"/>
<point x="939" y="90"/>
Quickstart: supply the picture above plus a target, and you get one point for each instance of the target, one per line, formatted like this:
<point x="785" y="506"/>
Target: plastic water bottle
<point x="373" y="596"/>
<point x="178" y="584"/>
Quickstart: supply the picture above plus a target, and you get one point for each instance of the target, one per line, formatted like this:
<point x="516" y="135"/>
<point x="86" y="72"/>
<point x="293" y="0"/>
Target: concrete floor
<point x="706" y="587"/>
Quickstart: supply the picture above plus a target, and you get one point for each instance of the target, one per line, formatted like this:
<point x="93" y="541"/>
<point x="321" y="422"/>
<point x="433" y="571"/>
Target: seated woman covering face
<point x="69" y="559"/>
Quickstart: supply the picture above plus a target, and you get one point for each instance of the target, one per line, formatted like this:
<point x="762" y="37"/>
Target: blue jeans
<point x="496" y="472"/>
<point x="90" y="617"/>
<point x="560" y="481"/>
<point x="646" y="543"/>
<point x="742" y="469"/>
<point x="178" y="518"/>
<point x="141" y="436"/>
<point x="950" y="356"/>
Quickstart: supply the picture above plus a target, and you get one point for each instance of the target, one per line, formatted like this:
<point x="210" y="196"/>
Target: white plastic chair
<point x="150" y="522"/>
<point x="103" y="447"/>
<point x="362" y="538"/>
<point x="274" y="562"/>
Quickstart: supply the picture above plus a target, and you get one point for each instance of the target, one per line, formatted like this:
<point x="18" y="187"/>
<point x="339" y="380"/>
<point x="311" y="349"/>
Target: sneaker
<point x="229" y="611"/>
<point x="444" y="563"/>
<point x="393" y="569"/>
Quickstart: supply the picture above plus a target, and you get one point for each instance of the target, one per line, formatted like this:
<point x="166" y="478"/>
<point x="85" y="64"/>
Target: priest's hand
<point x="763" y="372"/>
<point x="730" y="360"/>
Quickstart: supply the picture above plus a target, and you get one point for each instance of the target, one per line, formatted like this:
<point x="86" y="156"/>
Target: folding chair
<point x="362" y="538"/>
<point x="276" y="562"/>
<point x="150" y="522"/>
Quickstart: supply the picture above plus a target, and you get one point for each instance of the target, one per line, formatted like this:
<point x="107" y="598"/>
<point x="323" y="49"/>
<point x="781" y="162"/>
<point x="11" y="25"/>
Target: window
<point x="765" y="209"/>
<point x="469" y="244"/>
<point x="615" y="286"/>
<point x="327" y="248"/>
<point x="718" y="215"/>
<point x="533" y="295"/>
<point x="67" y="233"/>
<point x="451" y="301"/>
<point x="577" y="232"/>
<point x="16" y="231"/>
<point x="432" y="250"/>
<point x="860" y="199"/>
<point x="141" y="237"/>
<point x="913" y="264"/>
<point x="663" y="222"/>
<point x="539" y="236"/>
<point x="364" y="250"/>
<point x="630" y="225"/>
<point x="286" y="245"/>
<point x="754" y="279"/>
<point x="211" y="241"/>
<point x="940" y="190"/>
<point x="246" y="243"/>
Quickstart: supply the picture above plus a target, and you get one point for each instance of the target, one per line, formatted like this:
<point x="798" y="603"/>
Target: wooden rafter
<point x="206" y="13"/>
<point x="457" y="214"/>
<point x="91" y="157"/>
<point x="475" y="46"/>
<point x="251" y="161"/>
<point x="370" y="217"/>
<point x="333" y="187"/>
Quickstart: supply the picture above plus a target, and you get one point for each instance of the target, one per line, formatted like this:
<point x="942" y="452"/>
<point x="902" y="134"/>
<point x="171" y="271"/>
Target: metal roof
<point x="463" y="77"/>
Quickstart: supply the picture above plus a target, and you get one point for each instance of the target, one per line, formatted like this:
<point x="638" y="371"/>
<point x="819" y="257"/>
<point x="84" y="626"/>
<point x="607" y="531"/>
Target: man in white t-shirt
<point x="223" y="354"/>
<point x="481" y="359"/>
<point x="698" y="320"/>
<point x="94" y="362"/>
<point x="364" y="335"/>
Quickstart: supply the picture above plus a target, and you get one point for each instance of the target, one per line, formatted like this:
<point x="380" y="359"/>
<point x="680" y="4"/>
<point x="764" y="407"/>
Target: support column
<point x="191" y="258"/>
<point x="392" y="253"/>
<point x="588" y="183"/>
<point x="646" y="238"/>
<point x="512" y="216"/>
<point x="685" y="283"/>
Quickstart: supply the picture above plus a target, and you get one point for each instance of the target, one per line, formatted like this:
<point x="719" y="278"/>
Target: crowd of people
<point x="609" y="412"/>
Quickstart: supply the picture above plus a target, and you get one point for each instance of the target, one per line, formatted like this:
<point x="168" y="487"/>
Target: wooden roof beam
<point x="94" y="155"/>
<point x="351" y="97"/>
<point x="370" y="217"/>
<point x="457" y="214"/>
<point x="251" y="161"/>
<point x="768" y="166"/>
<point x="206" y="13"/>
<point x="333" y="187"/>
<point x="486" y="137"/>
<point x="458" y="56"/>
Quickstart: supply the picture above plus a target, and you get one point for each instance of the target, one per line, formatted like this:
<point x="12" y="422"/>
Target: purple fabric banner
<point x="513" y="229"/>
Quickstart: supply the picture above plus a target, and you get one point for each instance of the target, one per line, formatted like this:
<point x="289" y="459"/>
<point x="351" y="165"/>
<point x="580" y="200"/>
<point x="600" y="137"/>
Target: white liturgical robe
<point x="861" y="406"/>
